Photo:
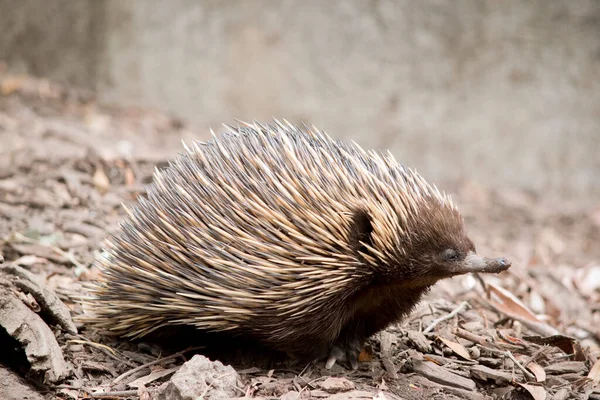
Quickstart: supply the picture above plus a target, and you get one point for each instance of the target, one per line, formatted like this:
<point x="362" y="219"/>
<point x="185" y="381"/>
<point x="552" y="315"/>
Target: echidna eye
<point x="450" y="255"/>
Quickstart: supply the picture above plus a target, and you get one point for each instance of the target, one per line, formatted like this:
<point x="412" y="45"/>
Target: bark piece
<point x="38" y="341"/>
<point x="441" y="375"/>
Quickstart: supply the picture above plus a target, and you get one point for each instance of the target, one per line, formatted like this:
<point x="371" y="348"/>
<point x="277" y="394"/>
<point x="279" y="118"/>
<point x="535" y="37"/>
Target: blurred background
<point x="496" y="102"/>
<point x="506" y="94"/>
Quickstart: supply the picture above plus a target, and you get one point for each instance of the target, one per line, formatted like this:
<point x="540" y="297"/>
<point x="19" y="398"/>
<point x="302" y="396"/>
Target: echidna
<point x="286" y="236"/>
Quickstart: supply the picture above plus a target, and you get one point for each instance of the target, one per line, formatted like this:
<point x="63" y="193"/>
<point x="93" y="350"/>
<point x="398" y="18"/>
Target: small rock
<point x="336" y="385"/>
<point x="201" y="378"/>
<point x="290" y="396"/>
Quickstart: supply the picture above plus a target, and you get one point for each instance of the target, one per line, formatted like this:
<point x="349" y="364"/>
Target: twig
<point x="110" y="395"/>
<point x="519" y="346"/>
<point x="58" y="250"/>
<point x="305" y="368"/>
<point x="461" y="333"/>
<point x="528" y="374"/>
<point x="491" y="350"/>
<point x="112" y="353"/>
<point x="535" y="355"/>
<point x="136" y="369"/>
<point x="458" y="309"/>
<point x="311" y="382"/>
<point x="93" y="344"/>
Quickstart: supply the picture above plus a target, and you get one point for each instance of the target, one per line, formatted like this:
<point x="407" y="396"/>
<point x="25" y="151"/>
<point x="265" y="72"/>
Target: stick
<point x="528" y="374"/>
<point x="458" y="309"/>
<point x="136" y="369"/>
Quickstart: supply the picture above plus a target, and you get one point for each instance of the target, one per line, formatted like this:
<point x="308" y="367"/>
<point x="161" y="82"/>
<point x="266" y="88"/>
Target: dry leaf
<point x="456" y="347"/>
<point x="537" y="392"/>
<point x="595" y="372"/>
<point x="566" y="344"/>
<point x="151" y="377"/>
<point x="129" y="177"/>
<point x="509" y="304"/>
<point x="101" y="181"/>
<point x="510" y="339"/>
<point x="11" y="85"/>
<point x="365" y="355"/>
<point x="26" y="261"/>
<point x="427" y="358"/>
<point x="538" y="371"/>
<point x="506" y="303"/>
<point x="70" y="393"/>
<point x="587" y="280"/>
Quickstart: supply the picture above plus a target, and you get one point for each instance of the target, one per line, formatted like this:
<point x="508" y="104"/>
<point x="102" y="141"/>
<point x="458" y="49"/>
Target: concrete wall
<point x="505" y="93"/>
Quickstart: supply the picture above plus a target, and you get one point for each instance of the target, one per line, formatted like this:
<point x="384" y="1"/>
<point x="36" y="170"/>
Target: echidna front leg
<point x="347" y="347"/>
<point x="348" y="351"/>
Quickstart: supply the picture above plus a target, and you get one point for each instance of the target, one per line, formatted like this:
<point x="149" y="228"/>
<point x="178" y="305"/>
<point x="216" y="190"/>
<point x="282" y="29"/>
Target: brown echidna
<point x="286" y="236"/>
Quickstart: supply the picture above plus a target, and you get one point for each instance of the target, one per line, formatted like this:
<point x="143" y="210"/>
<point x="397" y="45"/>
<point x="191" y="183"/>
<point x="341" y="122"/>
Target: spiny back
<point x="253" y="228"/>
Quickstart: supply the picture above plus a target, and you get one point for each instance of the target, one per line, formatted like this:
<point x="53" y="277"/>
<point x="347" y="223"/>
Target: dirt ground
<point x="67" y="163"/>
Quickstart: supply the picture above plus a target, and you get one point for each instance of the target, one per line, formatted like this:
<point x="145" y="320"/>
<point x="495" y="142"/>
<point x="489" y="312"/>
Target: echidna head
<point x="422" y="246"/>
<point x="441" y="248"/>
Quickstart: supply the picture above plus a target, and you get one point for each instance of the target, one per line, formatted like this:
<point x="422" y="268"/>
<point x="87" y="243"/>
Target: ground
<point x="67" y="163"/>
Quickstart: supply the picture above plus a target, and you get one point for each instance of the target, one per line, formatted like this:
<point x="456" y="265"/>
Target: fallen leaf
<point x="595" y="372"/>
<point x="129" y="177"/>
<point x="456" y="347"/>
<point x="426" y="357"/>
<point x="566" y="344"/>
<point x="26" y="261"/>
<point x="101" y="181"/>
<point x="11" y="85"/>
<point x="365" y="355"/>
<point x="509" y="304"/>
<point x="70" y="393"/>
<point x="154" y="375"/>
<point x="587" y="280"/>
<point x="538" y="371"/>
<point x="537" y="392"/>
<point x="510" y="339"/>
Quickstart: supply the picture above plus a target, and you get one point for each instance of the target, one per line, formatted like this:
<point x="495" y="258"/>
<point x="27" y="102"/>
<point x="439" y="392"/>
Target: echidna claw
<point x="338" y="354"/>
<point x="330" y="362"/>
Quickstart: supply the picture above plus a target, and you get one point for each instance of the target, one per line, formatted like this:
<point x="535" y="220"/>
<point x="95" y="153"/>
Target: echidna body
<point x="284" y="235"/>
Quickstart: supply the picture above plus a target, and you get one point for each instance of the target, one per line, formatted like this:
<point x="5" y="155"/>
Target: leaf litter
<point x="67" y="162"/>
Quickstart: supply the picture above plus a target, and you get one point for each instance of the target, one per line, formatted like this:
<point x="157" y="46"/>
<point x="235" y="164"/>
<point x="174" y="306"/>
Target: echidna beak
<point x="475" y="263"/>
